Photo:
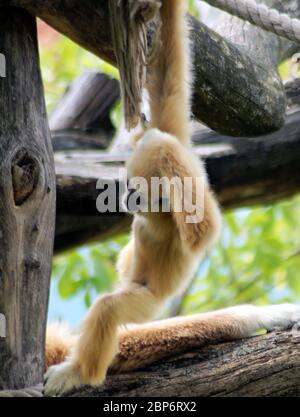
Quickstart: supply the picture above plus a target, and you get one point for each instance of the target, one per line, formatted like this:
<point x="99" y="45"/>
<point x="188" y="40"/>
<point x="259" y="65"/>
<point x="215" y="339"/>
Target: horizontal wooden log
<point x="236" y="93"/>
<point x="80" y="121"/>
<point x="73" y="139"/>
<point x="263" y="366"/>
<point x="242" y="171"/>
<point x="82" y="117"/>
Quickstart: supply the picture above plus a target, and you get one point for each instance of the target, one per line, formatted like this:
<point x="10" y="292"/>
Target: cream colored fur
<point x="164" y="250"/>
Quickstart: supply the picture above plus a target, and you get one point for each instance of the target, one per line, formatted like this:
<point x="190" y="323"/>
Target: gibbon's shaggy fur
<point x="163" y="252"/>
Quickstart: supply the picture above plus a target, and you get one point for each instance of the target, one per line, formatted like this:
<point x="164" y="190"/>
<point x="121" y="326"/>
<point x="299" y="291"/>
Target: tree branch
<point x="264" y="366"/>
<point x="81" y="120"/>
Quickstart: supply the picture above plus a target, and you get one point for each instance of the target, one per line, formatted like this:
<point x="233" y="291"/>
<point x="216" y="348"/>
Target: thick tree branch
<point x="235" y="93"/>
<point x="262" y="366"/>
<point x="81" y="120"/>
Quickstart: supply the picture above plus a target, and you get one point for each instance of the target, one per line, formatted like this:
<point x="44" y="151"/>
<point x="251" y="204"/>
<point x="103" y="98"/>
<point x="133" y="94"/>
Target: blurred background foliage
<point x="256" y="261"/>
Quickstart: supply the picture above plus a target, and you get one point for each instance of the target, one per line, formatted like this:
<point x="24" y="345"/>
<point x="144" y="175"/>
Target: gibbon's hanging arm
<point x="128" y="21"/>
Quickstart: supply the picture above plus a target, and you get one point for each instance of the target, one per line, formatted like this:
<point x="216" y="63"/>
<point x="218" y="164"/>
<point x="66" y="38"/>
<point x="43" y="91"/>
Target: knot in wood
<point x="25" y="175"/>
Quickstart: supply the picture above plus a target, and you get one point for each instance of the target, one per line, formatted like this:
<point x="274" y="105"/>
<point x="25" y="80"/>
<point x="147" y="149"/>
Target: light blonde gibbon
<point x="164" y="250"/>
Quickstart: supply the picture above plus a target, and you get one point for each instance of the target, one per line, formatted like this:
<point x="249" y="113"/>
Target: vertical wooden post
<point x="27" y="203"/>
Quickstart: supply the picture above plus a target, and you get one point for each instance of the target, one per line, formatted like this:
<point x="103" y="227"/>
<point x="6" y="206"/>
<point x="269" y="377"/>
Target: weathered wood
<point x="234" y="93"/>
<point x="72" y="139"/>
<point x="263" y="366"/>
<point x="27" y="203"/>
<point x="80" y="120"/>
<point x="82" y="117"/>
<point x="292" y="89"/>
<point x="266" y="50"/>
<point x="242" y="171"/>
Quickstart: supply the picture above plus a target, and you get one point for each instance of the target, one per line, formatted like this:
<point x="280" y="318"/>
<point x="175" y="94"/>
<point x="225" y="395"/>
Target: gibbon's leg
<point x="98" y="341"/>
<point x="146" y="344"/>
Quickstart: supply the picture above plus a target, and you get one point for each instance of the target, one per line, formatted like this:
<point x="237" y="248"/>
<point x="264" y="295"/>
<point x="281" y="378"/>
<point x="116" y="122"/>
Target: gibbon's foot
<point x="270" y="318"/>
<point x="61" y="378"/>
<point x="282" y="316"/>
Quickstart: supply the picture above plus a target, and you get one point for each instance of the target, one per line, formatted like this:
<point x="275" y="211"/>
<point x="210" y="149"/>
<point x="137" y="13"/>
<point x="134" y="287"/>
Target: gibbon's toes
<point x="282" y="316"/>
<point x="60" y="379"/>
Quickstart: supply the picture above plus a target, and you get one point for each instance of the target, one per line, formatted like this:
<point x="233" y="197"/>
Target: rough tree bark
<point x="235" y="93"/>
<point x="80" y="121"/>
<point x="292" y="89"/>
<point x="27" y="203"/>
<point x="263" y="366"/>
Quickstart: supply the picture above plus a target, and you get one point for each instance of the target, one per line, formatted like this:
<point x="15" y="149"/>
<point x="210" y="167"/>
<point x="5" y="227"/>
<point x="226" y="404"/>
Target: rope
<point x="260" y="15"/>
<point x="26" y="392"/>
<point x="128" y="22"/>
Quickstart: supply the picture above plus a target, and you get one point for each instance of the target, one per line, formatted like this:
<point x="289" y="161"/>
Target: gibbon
<point x="164" y="250"/>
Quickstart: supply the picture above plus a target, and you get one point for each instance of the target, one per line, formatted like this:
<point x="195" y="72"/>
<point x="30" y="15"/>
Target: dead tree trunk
<point x="27" y="203"/>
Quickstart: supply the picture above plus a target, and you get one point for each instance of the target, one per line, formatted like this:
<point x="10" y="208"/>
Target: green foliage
<point x="62" y="62"/>
<point x="256" y="261"/>
<point x="192" y="8"/>
<point x="88" y="271"/>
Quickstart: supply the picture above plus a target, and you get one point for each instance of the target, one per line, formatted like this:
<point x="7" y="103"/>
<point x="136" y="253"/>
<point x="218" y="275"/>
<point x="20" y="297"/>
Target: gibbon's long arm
<point x="170" y="76"/>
